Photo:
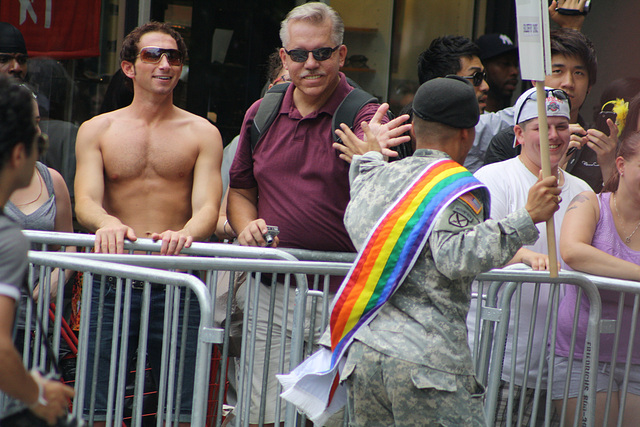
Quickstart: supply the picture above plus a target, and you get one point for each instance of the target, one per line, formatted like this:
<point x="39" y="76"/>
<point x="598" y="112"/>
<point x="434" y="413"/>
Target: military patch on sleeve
<point x="459" y="220"/>
<point x="473" y="202"/>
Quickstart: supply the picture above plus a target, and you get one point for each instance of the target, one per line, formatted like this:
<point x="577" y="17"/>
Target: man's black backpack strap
<point x="267" y="112"/>
<point x="349" y="109"/>
<point x="270" y="107"/>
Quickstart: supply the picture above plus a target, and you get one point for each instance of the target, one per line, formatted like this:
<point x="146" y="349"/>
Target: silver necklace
<point x="615" y="204"/>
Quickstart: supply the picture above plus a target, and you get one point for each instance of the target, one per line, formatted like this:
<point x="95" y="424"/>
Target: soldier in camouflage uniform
<point x="411" y="365"/>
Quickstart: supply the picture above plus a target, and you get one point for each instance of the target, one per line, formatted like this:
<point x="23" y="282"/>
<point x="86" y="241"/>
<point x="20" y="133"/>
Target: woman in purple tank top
<point x="601" y="236"/>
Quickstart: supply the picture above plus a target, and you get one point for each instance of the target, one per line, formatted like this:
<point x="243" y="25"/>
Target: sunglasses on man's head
<point x="556" y="93"/>
<point x="319" y="54"/>
<point x="476" y="78"/>
<point x="21" y="58"/>
<point x="153" y="55"/>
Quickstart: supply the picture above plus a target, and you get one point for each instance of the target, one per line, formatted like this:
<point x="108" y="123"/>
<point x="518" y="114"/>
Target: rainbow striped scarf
<point x="388" y="255"/>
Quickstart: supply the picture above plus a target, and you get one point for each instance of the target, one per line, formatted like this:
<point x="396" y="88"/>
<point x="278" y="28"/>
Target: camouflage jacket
<point x="424" y="322"/>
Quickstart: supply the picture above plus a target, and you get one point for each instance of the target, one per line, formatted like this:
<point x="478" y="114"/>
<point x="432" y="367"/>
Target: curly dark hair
<point x="130" y="48"/>
<point x="443" y="57"/>
<point x="17" y="125"/>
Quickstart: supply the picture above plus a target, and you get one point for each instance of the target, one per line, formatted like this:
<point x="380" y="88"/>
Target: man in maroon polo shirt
<point x="294" y="178"/>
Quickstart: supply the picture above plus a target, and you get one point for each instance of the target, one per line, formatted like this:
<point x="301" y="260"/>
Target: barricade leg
<point x="153" y="321"/>
<point x="269" y="327"/>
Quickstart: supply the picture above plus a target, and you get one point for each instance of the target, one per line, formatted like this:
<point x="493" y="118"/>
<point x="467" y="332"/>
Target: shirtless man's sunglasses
<point x="153" y="55"/>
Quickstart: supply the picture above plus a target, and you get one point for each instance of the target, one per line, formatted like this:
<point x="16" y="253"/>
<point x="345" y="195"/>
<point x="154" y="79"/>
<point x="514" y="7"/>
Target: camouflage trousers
<point x="385" y="391"/>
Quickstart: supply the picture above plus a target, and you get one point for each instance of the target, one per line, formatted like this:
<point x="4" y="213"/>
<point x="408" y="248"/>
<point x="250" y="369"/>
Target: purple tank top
<point x="606" y="239"/>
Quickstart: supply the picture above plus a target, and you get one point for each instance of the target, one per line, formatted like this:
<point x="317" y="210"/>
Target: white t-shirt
<point x="509" y="183"/>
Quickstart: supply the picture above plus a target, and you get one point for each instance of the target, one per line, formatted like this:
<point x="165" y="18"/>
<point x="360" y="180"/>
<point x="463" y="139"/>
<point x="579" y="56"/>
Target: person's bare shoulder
<point x="98" y="125"/>
<point x="198" y="126"/>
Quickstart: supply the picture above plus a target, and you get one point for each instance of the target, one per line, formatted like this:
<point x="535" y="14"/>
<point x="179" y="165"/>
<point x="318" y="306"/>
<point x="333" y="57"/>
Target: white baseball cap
<point x="526" y="107"/>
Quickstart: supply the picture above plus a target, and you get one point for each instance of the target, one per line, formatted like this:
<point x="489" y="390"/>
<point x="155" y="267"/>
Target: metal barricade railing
<point x="318" y="277"/>
<point x="311" y="280"/>
<point x="500" y="301"/>
<point x="305" y="299"/>
<point x="86" y="242"/>
<point x="625" y="332"/>
<point x="168" y="283"/>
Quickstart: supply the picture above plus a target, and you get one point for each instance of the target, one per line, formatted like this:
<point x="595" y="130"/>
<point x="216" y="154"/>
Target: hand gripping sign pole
<point x="535" y="63"/>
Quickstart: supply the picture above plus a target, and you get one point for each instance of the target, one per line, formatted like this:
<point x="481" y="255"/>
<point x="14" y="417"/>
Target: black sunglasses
<point x="556" y="93"/>
<point x="476" y="78"/>
<point x="21" y="58"/>
<point x="319" y="54"/>
<point x="153" y="55"/>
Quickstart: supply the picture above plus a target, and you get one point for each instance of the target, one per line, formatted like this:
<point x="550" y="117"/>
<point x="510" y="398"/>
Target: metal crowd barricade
<point x="170" y="386"/>
<point x="501" y="300"/>
<point x="627" y="290"/>
<point x="305" y="299"/>
<point x="211" y="259"/>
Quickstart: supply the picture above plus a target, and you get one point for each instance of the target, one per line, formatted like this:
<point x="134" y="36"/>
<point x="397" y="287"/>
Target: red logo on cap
<point x="553" y="106"/>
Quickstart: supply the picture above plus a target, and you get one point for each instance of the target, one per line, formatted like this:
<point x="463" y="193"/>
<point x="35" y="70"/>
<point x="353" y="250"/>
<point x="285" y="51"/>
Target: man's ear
<point x="283" y="58"/>
<point x="517" y="129"/>
<point x="128" y="69"/>
<point x="342" y="52"/>
<point x="18" y="154"/>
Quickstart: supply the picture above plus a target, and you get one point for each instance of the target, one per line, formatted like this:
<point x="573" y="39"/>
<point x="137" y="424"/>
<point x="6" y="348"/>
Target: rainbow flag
<point x="388" y="255"/>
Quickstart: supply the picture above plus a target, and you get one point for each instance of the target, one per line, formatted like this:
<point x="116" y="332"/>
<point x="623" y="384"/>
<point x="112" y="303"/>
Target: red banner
<point x="60" y="29"/>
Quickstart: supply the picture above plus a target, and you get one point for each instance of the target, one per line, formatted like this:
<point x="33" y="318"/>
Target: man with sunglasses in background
<point x="509" y="183"/>
<point x="13" y="52"/>
<point x="149" y="170"/>
<point x="452" y="55"/>
<point x="458" y="55"/>
<point x="294" y="178"/>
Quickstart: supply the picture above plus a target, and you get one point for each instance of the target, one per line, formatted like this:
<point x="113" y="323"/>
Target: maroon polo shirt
<point x="303" y="186"/>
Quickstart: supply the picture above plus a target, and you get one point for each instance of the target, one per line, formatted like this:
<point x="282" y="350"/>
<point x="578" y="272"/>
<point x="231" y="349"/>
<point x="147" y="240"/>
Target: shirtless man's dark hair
<point x="130" y="47"/>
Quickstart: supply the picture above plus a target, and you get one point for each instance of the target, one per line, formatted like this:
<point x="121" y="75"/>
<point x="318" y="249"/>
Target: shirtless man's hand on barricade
<point x="173" y="241"/>
<point x="254" y="234"/>
<point x="544" y="199"/>
<point x="110" y="237"/>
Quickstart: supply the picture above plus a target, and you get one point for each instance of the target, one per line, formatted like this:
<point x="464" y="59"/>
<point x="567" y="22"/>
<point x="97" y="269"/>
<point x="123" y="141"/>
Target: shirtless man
<point x="148" y="170"/>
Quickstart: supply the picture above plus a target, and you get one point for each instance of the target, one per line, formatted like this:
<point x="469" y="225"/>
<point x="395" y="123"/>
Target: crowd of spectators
<point x="133" y="180"/>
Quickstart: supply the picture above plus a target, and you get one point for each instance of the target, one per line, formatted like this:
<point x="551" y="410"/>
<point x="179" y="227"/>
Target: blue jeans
<point x="154" y="343"/>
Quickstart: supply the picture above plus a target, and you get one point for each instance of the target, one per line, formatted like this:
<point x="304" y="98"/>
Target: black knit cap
<point x="449" y="100"/>
<point x="11" y="40"/>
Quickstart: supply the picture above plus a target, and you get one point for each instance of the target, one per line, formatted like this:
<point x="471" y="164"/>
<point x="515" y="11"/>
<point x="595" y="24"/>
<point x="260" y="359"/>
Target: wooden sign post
<point x="535" y="63"/>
